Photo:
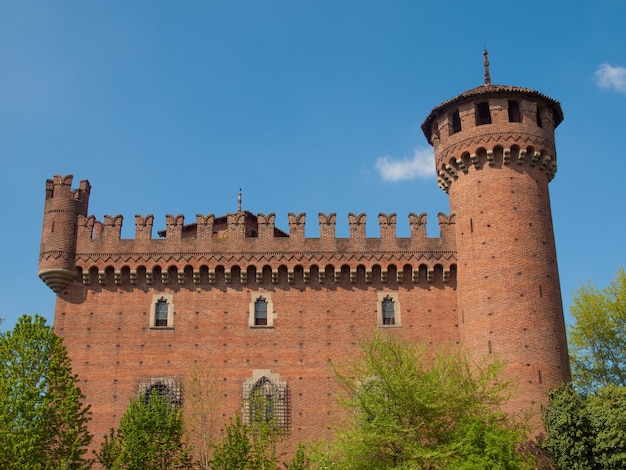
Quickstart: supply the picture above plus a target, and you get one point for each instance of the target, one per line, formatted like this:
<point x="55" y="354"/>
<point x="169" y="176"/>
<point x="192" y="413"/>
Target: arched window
<point x="483" y="114"/>
<point x="389" y="316"/>
<point x="266" y="400"/>
<point x="167" y="388"/>
<point x="161" y="313"/>
<point x="260" y="312"/>
<point x="262" y="401"/>
<point x="159" y="389"/>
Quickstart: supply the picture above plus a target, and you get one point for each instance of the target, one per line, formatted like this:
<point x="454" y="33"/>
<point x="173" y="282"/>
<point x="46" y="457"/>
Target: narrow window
<point x="161" y="313"/>
<point x="456" y="122"/>
<point x="514" y="114"/>
<point x="260" y="312"/>
<point x="539" y="123"/>
<point x="389" y="317"/>
<point x="483" y="115"/>
<point x="262" y="401"/>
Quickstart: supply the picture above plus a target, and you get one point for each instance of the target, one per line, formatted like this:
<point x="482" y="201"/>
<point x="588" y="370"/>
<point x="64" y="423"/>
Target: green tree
<point x="412" y="407"/>
<point x="597" y="340"/>
<point x="150" y="436"/>
<point x="43" y="424"/>
<point x="570" y="436"/>
<point x="586" y="432"/>
<point x="249" y="446"/>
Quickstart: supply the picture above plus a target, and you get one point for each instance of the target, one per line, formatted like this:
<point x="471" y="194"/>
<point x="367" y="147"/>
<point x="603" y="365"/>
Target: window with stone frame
<point x="162" y="311"/>
<point x="261" y="310"/>
<point x="388" y="310"/>
<point x="266" y="400"/>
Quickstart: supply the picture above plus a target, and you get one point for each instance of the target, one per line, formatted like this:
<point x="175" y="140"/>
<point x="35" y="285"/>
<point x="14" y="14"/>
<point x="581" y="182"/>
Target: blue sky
<point x="308" y="106"/>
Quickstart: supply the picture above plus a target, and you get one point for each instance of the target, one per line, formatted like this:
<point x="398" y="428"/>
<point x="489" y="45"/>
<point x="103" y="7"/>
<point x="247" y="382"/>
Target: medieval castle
<point x="269" y="310"/>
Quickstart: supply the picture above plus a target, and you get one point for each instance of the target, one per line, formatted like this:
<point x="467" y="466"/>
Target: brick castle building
<point x="268" y="310"/>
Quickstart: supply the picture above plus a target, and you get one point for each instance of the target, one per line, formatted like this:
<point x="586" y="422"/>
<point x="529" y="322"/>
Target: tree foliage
<point x="150" y="436"/>
<point x="248" y="446"/>
<point x="411" y="407"/>
<point x="597" y="340"/>
<point x="586" y="432"/>
<point x="43" y="424"/>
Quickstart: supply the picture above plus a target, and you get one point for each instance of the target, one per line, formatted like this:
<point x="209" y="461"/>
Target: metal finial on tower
<point x="487" y="74"/>
<point x="239" y="201"/>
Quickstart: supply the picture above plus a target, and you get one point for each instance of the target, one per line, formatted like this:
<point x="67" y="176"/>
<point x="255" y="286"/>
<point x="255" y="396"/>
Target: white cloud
<point x="421" y="165"/>
<point x="608" y="76"/>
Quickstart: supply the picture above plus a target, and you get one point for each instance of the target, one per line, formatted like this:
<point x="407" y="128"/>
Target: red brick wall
<point x="106" y="330"/>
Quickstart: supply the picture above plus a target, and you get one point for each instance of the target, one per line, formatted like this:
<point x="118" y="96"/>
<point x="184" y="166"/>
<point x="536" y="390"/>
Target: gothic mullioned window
<point x="262" y="401"/>
<point x="266" y="400"/>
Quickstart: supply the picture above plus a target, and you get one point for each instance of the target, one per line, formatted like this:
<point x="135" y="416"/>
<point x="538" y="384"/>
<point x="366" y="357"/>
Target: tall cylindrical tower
<point x="58" y="237"/>
<point x="495" y="155"/>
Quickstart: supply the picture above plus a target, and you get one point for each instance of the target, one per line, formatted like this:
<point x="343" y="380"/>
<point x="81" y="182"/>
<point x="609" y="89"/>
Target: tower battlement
<point x="58" y="238"/>
<point x="493" y="125"/>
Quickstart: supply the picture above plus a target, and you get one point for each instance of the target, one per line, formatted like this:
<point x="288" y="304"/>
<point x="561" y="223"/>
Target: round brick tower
<point x="495" y="155"/>
<point x="58" y="237"/>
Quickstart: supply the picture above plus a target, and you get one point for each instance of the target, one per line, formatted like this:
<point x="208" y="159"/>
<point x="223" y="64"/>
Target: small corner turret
<point x="58" y="237"/>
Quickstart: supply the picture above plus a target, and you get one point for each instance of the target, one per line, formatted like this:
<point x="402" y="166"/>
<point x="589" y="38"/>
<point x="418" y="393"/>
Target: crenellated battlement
<point x="242" y="246"/>
<point x="58" y="236"/>
<point x="491" y="126"/>
<point x="60" y="187"/>
<point x="247" y="226"/>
